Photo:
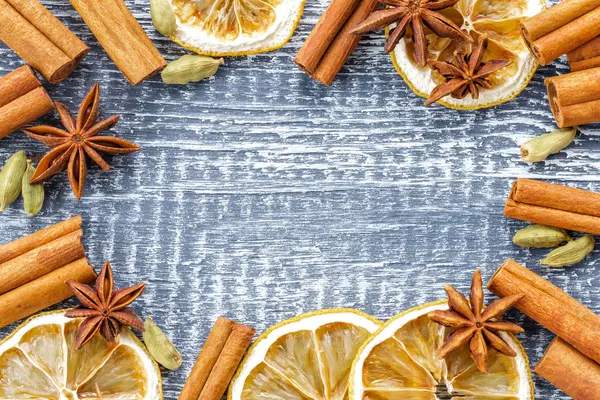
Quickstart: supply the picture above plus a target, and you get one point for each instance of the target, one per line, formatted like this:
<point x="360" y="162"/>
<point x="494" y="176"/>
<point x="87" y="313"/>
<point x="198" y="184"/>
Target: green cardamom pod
<point x="190" y="69"/>
<point x="539" y="148"/>
<point x="33" y="193"/>
<point x="160" y="347"/>
<point x="163" y="17"/>
<point x="540" y="236"/>
<point x="10" y="182"/>
<point x="571" y="253"/>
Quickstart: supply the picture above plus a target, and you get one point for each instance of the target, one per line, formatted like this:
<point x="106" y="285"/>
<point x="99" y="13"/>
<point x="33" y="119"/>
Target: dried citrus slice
<point x="499" y="20"/>
<point x="400" y="361"/>
<point x="235" y="27"/>
<point x="307" y="357"/>
<point x="39" y="361"/>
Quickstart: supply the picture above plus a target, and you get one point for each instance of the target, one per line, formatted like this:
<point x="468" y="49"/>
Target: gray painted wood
<point x="260" y="194"/>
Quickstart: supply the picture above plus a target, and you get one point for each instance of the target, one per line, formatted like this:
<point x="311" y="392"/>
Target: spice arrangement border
<point x="453" y="55"/>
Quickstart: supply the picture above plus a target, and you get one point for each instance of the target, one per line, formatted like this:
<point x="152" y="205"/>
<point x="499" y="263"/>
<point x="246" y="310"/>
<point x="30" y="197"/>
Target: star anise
<point x="71" y="147"/>
<point x="416" y="14"/>
<point x="474" y="326"/>
<point x="105" y="310"/>
<point x="466" y="74"/>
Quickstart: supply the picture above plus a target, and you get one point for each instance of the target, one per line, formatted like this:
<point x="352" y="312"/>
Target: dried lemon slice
<point x="235" y="27"/>
<point x="39" y="361"/>
<point x="499" y="20"/>
<point x="307" y="357"/>
<point x="400" y="361"/>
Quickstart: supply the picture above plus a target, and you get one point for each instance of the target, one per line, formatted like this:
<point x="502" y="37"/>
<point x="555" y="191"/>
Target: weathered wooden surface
<point x="260" y="194"/>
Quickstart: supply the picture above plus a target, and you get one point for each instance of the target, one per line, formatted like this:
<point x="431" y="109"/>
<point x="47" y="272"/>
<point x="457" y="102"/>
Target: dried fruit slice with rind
<point x="39" y="360"/>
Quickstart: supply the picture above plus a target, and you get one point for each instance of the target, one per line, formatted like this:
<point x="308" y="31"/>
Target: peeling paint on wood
<point x="260" y="194"/>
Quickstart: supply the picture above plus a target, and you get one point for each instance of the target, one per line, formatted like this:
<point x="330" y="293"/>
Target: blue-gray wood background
<point x="260" y="194"/>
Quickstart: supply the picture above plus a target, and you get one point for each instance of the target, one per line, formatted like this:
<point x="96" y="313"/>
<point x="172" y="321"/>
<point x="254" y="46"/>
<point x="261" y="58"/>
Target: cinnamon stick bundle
<point x="122" y="37"/>
<point x="554" y="205"/>
<point x="331" y="42"/>
<point x="34" y="268"/>
<point x="585" y="56"/>
<point x="575" y="97"/>
<point x="570" y="371"/>
<point x="550" y="306"/>
<point x="22" y="99"/>
<point x="218" y="360"/>
<point x="562" y="28"/>
<point x="43" y="292"/>
<point x="40" y="39"/>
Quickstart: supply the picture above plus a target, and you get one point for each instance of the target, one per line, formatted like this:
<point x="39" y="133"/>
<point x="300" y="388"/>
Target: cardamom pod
<point x="539" y="148"/>
<point x="540" y="236"/>
<point x="190" y="68"/>
<point x="160" y="347"/>
<point x="10" y="182"/>
<point x="163" y="17"/>
<point x="33" y="193"/>
<point x="571" y="253"/>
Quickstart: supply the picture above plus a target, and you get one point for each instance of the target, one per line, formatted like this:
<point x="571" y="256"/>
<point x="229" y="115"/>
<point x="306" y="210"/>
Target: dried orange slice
<point x="39" y="361"/>
<point x="307" y="357"/>
<point x="400" y="361"/>
<point x="499" y="20"/>
<point x="235" y="27"/>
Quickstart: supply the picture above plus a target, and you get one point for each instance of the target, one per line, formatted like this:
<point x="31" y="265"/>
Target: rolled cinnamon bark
<point x="551" y="307"/>
<point x="585" y="51"/>
<point x="554" y="205"/>
<point x="570" y="371"/>
<point x="343" y="45"/>
<point x="562" y="28"/>
<point x="27" y="243"/>
<point x="41" y="261"/>
<point x="122" y="37"/>
<point x="593" y="62"/>
<point x="43" y="292"/>
<point x="573" y="97"/>
<point x="52" y="28"/>
<point x="207" y="359"/>
<point x="33" y="46"/>
<point x="23" y="110"/>
<point x="324" y="32"/>
<point x="17" y="83"/>
<point x="218" y="360"/>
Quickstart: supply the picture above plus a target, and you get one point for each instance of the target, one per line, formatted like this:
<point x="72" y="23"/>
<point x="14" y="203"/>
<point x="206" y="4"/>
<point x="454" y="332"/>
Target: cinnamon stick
<point x="122" y="37"/>
<point x="574" y="97"/>
<point x="40" y="39"/>
<point x="17" y="83"/>
<point x="585" y="56"/>
<point x="43" y="292"/>
<point x="338" y="52"/>
<point x="324" y="32"/>
<point x="23" y="110"/>
<point x="44" y="236"/>
<point x="570" y="371"/>
<point x="218" y="360"/>
<point x="551" y="307"/>
<point x="554" y="205"/>
<point x="41" y="261"/>
<point x="562" y="28"/>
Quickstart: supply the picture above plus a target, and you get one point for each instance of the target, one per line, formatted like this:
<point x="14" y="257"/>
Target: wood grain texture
<point x="260" y="194"/>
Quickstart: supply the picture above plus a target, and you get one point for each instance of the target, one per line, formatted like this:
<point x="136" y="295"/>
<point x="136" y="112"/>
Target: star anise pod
<point x="105" y="310"/>
<point x="416" y="14"/>
<point x="80" y="140"/>
<point x="474" y="326"/>
<point x="466" y="74"/>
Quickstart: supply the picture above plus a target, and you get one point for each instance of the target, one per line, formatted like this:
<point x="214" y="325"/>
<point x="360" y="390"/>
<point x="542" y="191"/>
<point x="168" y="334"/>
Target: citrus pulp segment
<point x="499" y="20"/>
<point x="400" y="361"/>
<point x="235" y="27"/>
<point x="39" y="360"/>
<point x="307" y="357"/>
